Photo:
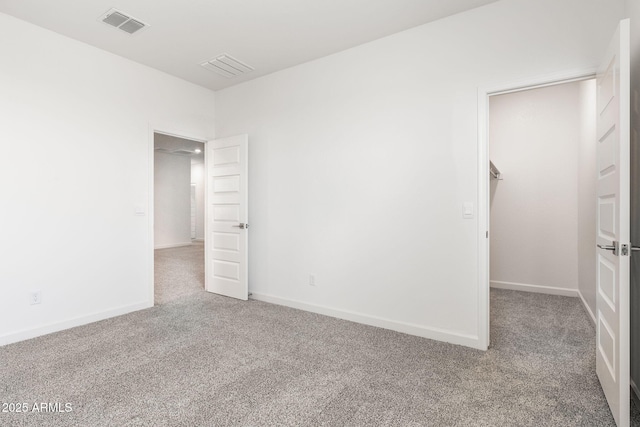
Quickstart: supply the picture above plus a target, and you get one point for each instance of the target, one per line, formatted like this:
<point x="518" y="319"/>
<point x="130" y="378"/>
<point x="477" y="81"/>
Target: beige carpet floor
<point x="179" y="272"/>
<point x="200" y="359"/>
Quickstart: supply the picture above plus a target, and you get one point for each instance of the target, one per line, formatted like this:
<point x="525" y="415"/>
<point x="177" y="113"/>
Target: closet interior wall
<point x="543" y="207"/>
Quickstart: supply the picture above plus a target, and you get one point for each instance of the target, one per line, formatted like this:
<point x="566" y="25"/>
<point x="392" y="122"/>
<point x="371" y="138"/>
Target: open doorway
<point x="542" y="193"/>
<point x="537" y="160"/>
<point x="179" y="217"/>
<point x="542" y="211"/>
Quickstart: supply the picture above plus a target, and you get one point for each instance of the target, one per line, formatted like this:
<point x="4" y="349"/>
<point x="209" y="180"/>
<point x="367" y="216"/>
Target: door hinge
<point x="487" y="235"/>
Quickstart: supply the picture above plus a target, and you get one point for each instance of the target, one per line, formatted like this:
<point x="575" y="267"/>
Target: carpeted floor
<point x="635" y="412"/>
<point x="206" y="360"/>
<point x="178" y="272"/>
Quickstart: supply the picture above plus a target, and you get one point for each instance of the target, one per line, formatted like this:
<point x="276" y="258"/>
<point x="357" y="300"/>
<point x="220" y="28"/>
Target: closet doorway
<point x="542" y="190"/>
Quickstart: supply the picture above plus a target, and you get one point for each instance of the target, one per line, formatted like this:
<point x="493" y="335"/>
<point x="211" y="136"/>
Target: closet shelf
<point x="494" y="171"/>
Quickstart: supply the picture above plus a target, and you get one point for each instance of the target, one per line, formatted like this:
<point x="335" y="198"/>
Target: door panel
<point x="607" y="281"/>
<point x="613" y="208"/>
<point x="607" y="217"/>
<point x="227" y="190"/>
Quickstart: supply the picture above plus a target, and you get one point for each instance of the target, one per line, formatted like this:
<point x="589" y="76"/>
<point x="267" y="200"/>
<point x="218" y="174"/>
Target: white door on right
<point x="613" y="224"/>
<point x="226" y="268"/>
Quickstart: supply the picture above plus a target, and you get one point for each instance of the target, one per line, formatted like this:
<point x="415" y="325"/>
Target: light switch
<point x="467" y="210"/>
<point x="140" y="211"/>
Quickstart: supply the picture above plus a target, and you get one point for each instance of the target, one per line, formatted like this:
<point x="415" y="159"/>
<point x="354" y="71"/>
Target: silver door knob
<point x="241" y="226"/>
<point x="615" y="248"/>
<point x="607" y="248"/>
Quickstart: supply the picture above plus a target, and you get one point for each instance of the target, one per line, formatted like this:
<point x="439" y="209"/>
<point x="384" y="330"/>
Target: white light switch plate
<point x="467" y="210"/>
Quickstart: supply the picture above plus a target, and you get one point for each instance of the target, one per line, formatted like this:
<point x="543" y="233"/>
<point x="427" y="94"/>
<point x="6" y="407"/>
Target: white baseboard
<point x="173" y="245"/>
<point x="26" y="334"/>
<point x="198" y="240"/>
<point x="534" y="288"/>
<point x="407" y="328"/>
<point x="586" y="307"/>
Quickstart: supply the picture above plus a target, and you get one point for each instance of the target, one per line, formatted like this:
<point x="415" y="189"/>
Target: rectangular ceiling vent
<point x="227" y="66"/>
<point x="123" y="21"/>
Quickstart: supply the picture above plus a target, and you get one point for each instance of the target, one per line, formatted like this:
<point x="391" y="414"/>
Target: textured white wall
<point x="69" y="226"/>
<point x="534" y="141"/>
<point x="172" y="200"/>
<point x="587" y="194"/>
<point x="361" y="161"/>
<point x="197" y="178"/>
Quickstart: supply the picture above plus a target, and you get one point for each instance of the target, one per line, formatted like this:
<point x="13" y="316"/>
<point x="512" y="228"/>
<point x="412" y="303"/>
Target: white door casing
<point x="613" y="224"/>
<point x="226" y="263"/>
<point x="483" y="179"/>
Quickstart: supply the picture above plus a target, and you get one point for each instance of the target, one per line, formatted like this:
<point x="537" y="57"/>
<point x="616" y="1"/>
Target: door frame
<point x="202" y="138"/>
<point x="484" y="315"/>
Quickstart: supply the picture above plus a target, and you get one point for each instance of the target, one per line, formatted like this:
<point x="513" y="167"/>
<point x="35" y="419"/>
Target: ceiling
<point x="179" y="146"/>
<point x="268" y="35"/>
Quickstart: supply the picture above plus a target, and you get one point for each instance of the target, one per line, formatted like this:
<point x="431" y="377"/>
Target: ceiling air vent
<point x="122" y="21"/>
<point x="226" y="66"/>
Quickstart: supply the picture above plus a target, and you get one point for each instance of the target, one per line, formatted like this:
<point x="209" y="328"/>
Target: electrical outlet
<point x="35" y="297"/>
<point x="312" y="280"/>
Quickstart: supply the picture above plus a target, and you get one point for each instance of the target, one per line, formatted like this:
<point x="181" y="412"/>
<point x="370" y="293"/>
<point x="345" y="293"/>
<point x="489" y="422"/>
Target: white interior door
<point x="613" y="219"/>
<point x="226" y="267"/>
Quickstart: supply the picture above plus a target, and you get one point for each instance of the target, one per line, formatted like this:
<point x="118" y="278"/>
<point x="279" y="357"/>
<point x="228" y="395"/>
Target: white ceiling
<point x="178" y="146"/>
<point x="269" y="35"/>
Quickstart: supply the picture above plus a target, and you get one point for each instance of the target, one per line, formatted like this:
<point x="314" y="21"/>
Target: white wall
<point x="172" y="200"/>
<point x="361" y="161"/>
<point x="197" y="178"/>
<point x="587" y="195"/>
<point x="534" y="140"/>
<point x="81" y="116"/>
